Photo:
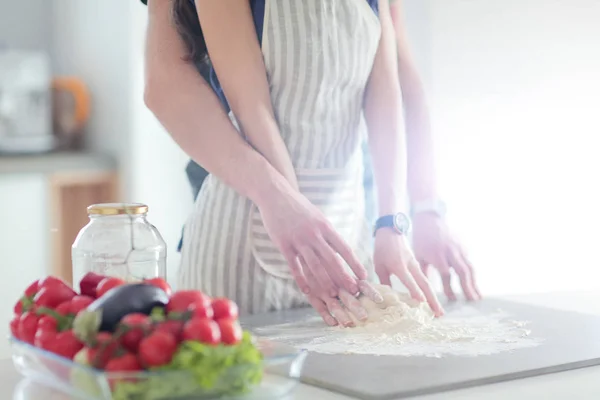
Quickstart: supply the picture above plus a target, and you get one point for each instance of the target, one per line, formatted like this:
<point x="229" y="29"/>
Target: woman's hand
<point x="301" y="232"/>
<point x="434" y="245"/>
<point x="393" y="256"/>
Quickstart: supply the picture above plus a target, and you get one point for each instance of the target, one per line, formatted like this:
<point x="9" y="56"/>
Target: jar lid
<point x="117" y="209"/>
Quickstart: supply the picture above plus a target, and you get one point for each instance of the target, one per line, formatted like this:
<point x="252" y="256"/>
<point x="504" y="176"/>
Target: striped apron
<point x="318" y="56"/>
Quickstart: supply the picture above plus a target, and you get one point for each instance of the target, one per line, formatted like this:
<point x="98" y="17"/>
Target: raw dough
<point x="396" y="308"/>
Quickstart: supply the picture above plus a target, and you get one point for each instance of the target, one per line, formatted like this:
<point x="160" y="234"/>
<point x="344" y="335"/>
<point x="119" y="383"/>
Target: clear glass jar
<point x="119" y="241"/>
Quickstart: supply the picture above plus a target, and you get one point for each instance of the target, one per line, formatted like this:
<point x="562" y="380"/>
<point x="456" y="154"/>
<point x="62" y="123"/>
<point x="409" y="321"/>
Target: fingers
<point x="368" y="290"/>
<point x="444" y="269"/>
<point x="296" y="270"/>
<point x="312" y="262"/>
<point x="463" y="273"/>
<point x="322" y="309"/>
<point x="425" y="287"/>
<point x="469" y="266"/>
<point x="353" y="305"/>
<point x="338" y="312"/>
<point x="342" y="248"/>
<point x="334" y="266"/>
<point x="409" y="283"/>
<point x="384" y="276"/>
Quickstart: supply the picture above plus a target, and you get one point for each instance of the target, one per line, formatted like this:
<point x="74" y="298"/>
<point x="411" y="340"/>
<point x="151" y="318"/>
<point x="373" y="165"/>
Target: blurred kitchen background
<point x="514" y="89"/>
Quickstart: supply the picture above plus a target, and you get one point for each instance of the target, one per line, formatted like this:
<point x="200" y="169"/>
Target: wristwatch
<point x="433" y="206"/>
<point x="400" y="223"/>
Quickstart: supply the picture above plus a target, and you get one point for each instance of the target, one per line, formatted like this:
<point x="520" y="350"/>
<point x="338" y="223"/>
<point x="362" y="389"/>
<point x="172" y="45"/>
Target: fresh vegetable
<point x="65" y="344"/>
<point x="202" y="330"/>
<point x="157" y="349"/>
<point x="107" y="284"/>
<point x="224" y="308"/>
<point x="52" y="294"/>
<point x="135" y="326"/>
<point x="102" y="350"/>
<point x="28" y="326"/>
<point x="89" y="283"/>
<point x="188" y="300"/>
<point x="79" y="303"/>
<point x="14" y="326"/>
<point x="160" y="283"/>
<point x="174" y="327"/>
<point x="124" y="363"/>
<point x="231" y="331"/>
<point x="127" y="299"/>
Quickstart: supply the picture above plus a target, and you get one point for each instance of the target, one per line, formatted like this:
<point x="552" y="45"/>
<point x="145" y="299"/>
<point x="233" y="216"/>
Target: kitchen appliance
<point x="570" y="342"/>
<point x="25" y="103"/>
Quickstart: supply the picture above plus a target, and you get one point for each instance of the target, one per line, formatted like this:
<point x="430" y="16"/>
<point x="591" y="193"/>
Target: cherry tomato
<point x="65" y="344"/>
<point x="157" y="349"/>
<point x="160" y="283"/>
<point x="47" y="323"/>
<point x="173" y="327"/>
<point x="14" y="326"/>
<point x="202" y="330"/>
<point x="31" y="289"/>
<point x="125" y="363"/>
<point x="79" y="303"/>
<point x="205" y="311"/>
<point x="63" y="308"/>
<point x="27" y="327"/>
<point x="103" y="350"/>
<point x="18" y="308"/>
<point x="89" y="283"/>
<point x="225" y="308"/>
<point x="231" y="331"/>
<point x="108" y="283"/>
<point x="53" y="296"/>
<point x="138" y="325"/>
<point x="186" y="300"/>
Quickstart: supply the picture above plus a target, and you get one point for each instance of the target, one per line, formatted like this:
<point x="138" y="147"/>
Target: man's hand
<point x="434" y="246"/>
<point x="393" y="256"/>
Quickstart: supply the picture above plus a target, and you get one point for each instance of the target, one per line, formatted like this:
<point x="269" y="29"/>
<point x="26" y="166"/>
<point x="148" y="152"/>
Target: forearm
<point x="421" y="166"/>
<point x="192" y="114"/>
<point x="383" y="112"/>
<point x="422" y="183"/>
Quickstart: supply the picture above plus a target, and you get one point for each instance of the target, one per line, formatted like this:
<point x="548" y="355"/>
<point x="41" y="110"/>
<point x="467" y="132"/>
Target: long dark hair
<point x="188" y="26"/>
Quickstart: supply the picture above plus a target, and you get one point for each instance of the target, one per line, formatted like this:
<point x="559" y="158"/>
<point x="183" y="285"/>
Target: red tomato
<point x="65" y="344"/>
<point x="160" y="283"/>
<point x="205" y="311"/>
<point x="31" y="289"/>
<point x="157" y="349"/>
<point x="202" y="330"/>
<point x="225" y="308"/>
<point x="63" y="308"/>
<point x="138" y="325"/>
<point x="27" y="327"/>
<point x="231" y="331"/>
<point x="186" y="300"/>
<point x="50" y="281"/>
<point x="18" y="308"/>
<point x="14" y="326"/>
<point x="79" y="303"/>
<point x="47" y="323"/>
<point x="125" y="363"/>
<point x="108" y="283"/>
<point x="173" y="327"/>
<point x="53" y="296"/>
<point x="103" y="350"/>
<point x="89" y="283"/>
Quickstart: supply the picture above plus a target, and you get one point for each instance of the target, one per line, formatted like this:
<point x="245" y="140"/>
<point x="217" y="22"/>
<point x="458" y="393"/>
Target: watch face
<point x="401" y="223"/>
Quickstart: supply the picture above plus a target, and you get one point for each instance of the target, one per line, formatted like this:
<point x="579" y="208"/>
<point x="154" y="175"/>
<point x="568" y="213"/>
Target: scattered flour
<point x="404" y="327"/>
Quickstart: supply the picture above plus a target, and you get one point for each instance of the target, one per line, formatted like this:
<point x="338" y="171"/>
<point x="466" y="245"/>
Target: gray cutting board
<point x="571" y="340"/>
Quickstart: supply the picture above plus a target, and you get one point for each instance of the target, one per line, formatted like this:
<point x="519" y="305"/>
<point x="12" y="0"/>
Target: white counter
<point x="577" y="384"/>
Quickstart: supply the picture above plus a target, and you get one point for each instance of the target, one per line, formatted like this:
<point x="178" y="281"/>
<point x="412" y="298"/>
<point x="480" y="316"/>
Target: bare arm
<point x="236" y="56"/>
<point x="383" y="104"/>
<point x="190" y="111"/>
<point x="421" y="166"/>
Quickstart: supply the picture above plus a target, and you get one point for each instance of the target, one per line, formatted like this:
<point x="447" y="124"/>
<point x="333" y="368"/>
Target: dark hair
<point x="188" y="25"/>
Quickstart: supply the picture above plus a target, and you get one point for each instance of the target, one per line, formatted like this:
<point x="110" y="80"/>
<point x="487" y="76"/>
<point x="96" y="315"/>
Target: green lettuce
<point x="199" y="371"/>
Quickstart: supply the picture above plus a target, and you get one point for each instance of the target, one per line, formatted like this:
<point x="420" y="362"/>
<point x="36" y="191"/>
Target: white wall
<point x="516" y="93"/>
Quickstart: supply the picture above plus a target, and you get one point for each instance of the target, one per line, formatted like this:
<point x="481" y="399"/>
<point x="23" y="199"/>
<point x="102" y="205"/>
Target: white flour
<point x="410" y="330"/>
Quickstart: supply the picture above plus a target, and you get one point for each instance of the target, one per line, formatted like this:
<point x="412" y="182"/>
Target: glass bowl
<point x="281" y="367"/>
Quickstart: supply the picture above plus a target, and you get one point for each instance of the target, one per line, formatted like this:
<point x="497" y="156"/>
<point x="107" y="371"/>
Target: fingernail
<point x="331" y="321"/>
<point x="378" y="298"/>
<point x="362" y="314"/>
<point x="306" y="290"/>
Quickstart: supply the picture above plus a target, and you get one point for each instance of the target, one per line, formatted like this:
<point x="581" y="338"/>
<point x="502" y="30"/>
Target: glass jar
<point x="119" y="241"/>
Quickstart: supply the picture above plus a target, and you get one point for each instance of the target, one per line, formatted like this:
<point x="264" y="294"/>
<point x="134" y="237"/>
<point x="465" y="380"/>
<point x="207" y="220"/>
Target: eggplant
<point x="127" y="299"/>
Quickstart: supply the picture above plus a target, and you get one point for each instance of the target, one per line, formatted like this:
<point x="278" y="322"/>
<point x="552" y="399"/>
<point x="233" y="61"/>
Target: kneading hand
<point x="434" y="245"/>
<point x="393" y="256"/>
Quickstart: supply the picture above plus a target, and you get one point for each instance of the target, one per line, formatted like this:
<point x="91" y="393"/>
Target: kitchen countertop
<point x="577" y="384"/>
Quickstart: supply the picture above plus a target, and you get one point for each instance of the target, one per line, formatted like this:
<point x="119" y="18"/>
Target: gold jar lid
<point x="117" y="209"/>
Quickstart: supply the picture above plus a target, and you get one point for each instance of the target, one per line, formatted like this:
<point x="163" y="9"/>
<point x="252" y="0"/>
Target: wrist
<point x="269" y="186"/>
